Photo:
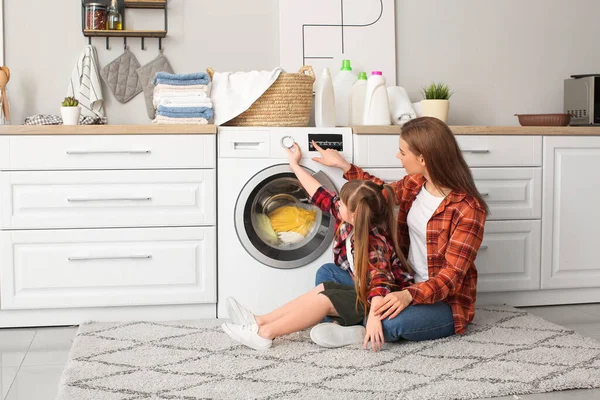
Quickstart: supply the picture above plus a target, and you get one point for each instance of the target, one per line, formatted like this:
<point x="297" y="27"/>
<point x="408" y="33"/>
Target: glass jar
<point x="95" y="16"/>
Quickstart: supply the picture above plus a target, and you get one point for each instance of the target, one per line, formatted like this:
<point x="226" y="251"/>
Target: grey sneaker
<point x="239" y="314"/>
<point x="332" y="335"/>
<point x="247" y="335"/>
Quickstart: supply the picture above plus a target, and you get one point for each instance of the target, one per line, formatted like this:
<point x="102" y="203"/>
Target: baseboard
<point x="76" y="316"/>
<point x="541" y="297"/>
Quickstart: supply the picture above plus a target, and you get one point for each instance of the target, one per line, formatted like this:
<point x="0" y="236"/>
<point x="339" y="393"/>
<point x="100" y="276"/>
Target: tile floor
<point x="32" y="360"/>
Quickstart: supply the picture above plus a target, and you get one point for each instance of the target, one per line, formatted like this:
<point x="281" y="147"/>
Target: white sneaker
<point x="238" y="313"/>
<point x="247" y="335"/>
<point x="332" y="335"/>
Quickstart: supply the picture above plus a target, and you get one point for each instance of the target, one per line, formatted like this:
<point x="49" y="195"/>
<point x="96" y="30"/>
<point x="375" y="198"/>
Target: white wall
<point x="500" y="56"/>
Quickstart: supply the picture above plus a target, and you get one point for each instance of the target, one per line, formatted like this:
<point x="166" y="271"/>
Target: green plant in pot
<point x="70" y="111"/>
<point x="437" y="101"/>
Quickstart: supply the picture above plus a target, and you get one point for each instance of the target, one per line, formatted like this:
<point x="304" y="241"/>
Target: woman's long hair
<point x="372" y="209"/>
<point x="444" y="160"/>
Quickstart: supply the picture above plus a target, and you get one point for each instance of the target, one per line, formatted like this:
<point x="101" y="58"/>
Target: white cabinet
<point x="571" y="213"/>
<point x="107" y="227"/>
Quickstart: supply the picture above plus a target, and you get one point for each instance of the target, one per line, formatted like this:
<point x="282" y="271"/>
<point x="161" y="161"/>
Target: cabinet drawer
<point x="108" y="152"/>
<point x="91" y="199"/>
<point x="111" y="267"/>
<point x="511" y="193"/>
<point x="479" y="151"/>
<point x="509" y="256"/>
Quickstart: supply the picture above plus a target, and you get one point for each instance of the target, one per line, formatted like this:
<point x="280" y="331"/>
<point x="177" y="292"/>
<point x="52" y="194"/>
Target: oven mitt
<point x="146" y="75"/>
<point x="121" y="78"/>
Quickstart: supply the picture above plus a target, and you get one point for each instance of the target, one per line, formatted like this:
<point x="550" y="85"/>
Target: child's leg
<point x="288" y="307"/>
<point x="304" y="312"/>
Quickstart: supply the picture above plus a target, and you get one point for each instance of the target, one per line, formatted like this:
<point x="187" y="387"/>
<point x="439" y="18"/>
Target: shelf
<point x="160" y="4"/>
<point x="125" y="33"/>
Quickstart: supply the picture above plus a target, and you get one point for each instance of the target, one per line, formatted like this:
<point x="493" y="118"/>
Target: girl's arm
<point x="320" y="196"/>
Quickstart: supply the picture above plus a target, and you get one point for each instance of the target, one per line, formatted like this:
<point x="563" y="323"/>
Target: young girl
<point x="441" y="220"/>
<point x="365" y="245"/>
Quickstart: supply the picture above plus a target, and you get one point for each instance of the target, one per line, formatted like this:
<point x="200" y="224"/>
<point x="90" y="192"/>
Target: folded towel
<point x="401" y="109"/>
<point x="203" y="76"/>
<point x="175" y="82"/>
<point x="178" y="88"/>
<point x="195" y="100"/>
<point x="185" y="112"/>
<point x="191" y="104"/>
<point x="85" y="83"/>
<point x="234" y="93"/>
<point x="162" y="120"/>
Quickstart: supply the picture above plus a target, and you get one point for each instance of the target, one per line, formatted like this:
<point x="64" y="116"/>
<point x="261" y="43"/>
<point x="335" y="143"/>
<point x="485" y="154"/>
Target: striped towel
<point x="85" y="83"/>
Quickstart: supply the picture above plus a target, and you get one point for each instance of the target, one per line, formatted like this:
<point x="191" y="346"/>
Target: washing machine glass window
<point x="276" y="221"/>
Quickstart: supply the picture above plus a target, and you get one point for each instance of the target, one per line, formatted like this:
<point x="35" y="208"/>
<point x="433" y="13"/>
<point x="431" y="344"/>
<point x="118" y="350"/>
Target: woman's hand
<point x="331" y="158"/>
<point x="393" y="304"/>
<point x="374" y="334"/>
<point x="294" y="156"/>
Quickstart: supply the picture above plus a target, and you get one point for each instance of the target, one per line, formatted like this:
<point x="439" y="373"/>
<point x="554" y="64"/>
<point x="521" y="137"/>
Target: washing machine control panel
<point x="326" y="141"/>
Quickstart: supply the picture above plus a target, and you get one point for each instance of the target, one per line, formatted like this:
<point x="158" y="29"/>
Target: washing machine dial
<point x="287" y="142"/>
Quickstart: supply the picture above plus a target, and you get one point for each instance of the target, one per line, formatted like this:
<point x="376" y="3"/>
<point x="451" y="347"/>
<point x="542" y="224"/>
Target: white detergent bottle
<point x="342" y="87"/>
<point x="359" y="92"/>
<point x="325" y="101"/>
<point x="377" y="107"/>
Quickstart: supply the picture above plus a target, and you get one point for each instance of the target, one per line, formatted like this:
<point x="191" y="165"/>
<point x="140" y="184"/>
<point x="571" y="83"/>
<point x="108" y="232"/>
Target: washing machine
<point x="259" y="263"/>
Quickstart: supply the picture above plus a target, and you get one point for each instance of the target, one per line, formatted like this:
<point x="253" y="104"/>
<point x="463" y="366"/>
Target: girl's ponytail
<point x="362" y="217"/>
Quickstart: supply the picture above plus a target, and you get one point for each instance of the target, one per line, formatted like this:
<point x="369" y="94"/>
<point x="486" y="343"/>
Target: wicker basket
<point x="286" y="103"/>
<point x="544" y="119"/>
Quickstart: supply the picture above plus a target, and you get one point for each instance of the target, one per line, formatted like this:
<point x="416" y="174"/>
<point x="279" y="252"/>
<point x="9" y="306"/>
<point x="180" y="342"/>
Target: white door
<point x="571" y="212"/>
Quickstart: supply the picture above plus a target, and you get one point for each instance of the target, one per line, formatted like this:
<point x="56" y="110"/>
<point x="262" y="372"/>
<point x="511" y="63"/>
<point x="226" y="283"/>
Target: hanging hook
<point x="107" y="47"/>
<point x="143" y="48"/>
<point x="160" y="44"/>
<point x="124" y="43"/>
<point x="90" y="40"/>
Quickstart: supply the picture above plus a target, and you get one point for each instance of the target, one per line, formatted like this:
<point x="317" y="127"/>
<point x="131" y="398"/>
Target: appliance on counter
<point x="582" y="99"/>
<point x="259" y="266"/>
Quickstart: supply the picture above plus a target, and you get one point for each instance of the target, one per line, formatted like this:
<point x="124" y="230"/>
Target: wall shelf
<point x="128" y="33"/>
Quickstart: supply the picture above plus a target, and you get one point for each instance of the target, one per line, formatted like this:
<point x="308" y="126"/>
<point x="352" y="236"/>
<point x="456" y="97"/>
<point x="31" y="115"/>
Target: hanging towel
<point x="182" y="78"/>
<point x="401" y="109"/>
<point x="234" y="93"/>
<point x="85" y="83"/>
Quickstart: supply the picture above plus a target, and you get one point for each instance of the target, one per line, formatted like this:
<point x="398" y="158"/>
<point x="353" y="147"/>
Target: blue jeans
<point x="416" y="322"/>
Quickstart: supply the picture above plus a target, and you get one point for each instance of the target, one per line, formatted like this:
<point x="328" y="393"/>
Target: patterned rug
<point x="506" y="351"/>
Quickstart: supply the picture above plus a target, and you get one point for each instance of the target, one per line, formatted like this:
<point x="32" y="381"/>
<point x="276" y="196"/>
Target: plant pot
<point x="70" y="115"/>
<point x="436" y="108"/>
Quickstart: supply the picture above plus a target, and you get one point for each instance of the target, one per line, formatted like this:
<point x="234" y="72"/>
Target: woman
<point x="441" y="221"/>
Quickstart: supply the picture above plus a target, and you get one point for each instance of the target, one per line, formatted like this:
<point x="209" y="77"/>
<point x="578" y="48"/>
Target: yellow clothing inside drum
<point x="293" y="219"/>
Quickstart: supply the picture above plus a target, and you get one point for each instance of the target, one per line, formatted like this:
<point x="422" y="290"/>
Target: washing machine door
<point x="276" y="222"/>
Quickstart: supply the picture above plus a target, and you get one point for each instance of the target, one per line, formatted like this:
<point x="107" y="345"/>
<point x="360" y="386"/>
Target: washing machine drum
<point x="276" y="221"/>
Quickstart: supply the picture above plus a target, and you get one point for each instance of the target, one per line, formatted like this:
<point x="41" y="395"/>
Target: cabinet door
<point x="509" y="257"/>
<point x="571" y="212"/>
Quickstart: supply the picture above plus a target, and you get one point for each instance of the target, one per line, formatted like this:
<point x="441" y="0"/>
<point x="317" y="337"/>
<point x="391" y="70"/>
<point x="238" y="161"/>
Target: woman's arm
<point x="460" y="255"/>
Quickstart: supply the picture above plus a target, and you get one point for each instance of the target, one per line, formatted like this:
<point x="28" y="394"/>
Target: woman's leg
<point x="332" y="273"/>
<point x="288" y="307"/>
<point x="420" y="322"/>
<point x="301" y="313"/>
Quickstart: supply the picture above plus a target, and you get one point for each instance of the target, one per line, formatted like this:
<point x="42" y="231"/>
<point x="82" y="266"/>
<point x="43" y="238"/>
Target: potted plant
<point x="70" y="111"/>
<point x="437" y="101"/>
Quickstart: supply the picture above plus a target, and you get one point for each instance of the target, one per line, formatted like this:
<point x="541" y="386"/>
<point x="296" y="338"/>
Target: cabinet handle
<point x="484" y="194"/>
<point x="81" y="152"/>
<point x="483" y="247"/>
<point x="476" y="151"/>
<point x="90" y="199"/>
<point x="133" y="257"/>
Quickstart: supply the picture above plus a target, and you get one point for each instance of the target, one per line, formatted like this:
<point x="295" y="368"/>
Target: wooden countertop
<point x="492" y="130"/>
<point x="108" y="129"/>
